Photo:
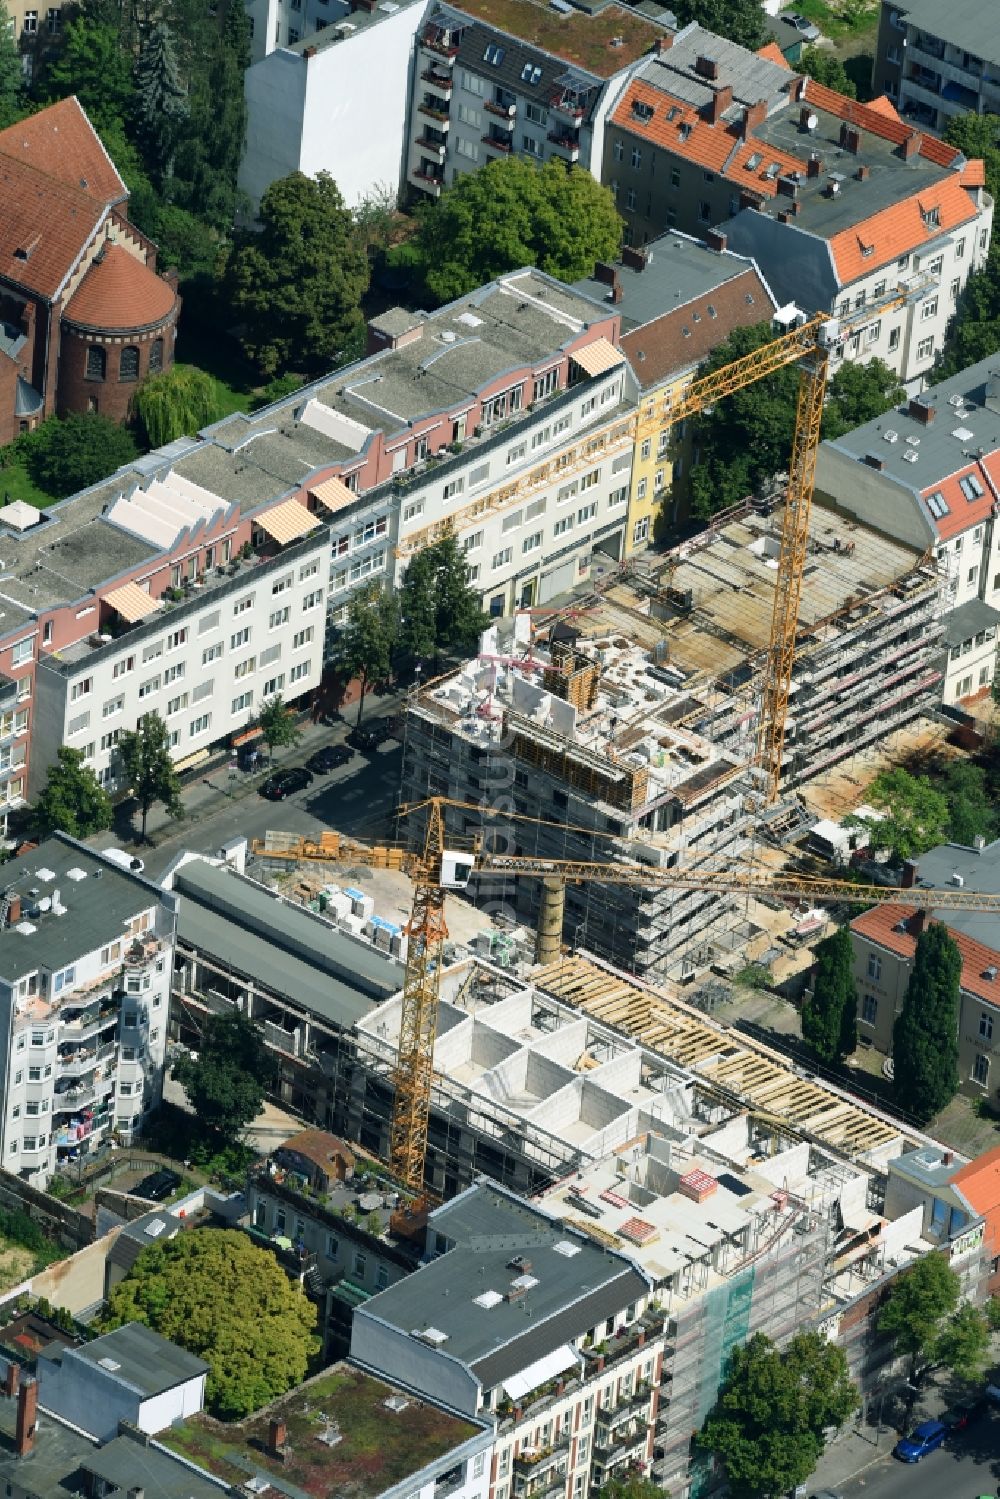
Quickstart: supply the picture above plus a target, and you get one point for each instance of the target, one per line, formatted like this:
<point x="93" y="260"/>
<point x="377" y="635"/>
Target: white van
<point x="121" y="857"/>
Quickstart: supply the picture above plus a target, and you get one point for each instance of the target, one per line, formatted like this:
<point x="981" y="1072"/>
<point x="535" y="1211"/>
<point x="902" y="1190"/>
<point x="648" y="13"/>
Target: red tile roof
<point x="901" y="228"/>
<point x="979" y="1184"/>
<point x="885" y="925"/>
<point x="61" y="142"/>
<point x="682" y="337"/>
<point x="866" y="117"/>
<point x="119" y="292"/>
<point x="962" y="513"/>
<point x="44" y="226"/>
<point x="773" y="53"/>
<point x="883" y="105"/>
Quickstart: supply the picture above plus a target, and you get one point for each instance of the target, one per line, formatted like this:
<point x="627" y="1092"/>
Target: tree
<point x="148" y="768"/>
<point x="512" y="213"/>
<point x="177" y="402"/>
<point x="829" y="1017"/>
<point x="367" y="641"/>
<point x="161" y="104"/>
<point x="296" y="286"/>
<point x="72" y="800"/>
<point x="738" y="20"/>
<point x="963" y="1343"/>
<point x="633" y="1486"/>
<point x="277" y="724"/>
<point x="223" y="1298"/>
<point x="826" y="68"/>
<point x="972" y="812"/>
<point x="920" y="1302"/>
<point x="858" y="393"/>
<point x="768" y="1424"/>
<point x="376" y="218"/>
<point x="914" y="814"/>
<point x="11" y="73"/>
<point x="91" y="64"/>
<point x="68" y="453"/>
<point x="438" y="610"/>
<point x="974" y="333"/>
<point x="228" y="1083"/>
<point x="925" y="1035"/>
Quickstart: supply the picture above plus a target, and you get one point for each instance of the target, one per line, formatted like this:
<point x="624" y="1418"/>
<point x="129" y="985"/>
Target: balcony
<point x="535" y="1463"/>
<point x="567" y="145"/>
<point x="628" y="1447"/>
<point x="505" y="112"/>
<point x="498" y="143"/>
<point x="71" y="1099"/>
<point x="435" y="109"/>
<point x="428" y="181"/>
<point x="435" y="149"/>
<point x="611" y="1421"/>
<point x="548" y="1488"/>
<point x="567" y="104"/>
<point x="626" y="1341"/>
<point x="442" y="83"/>
<point x="440" y="48"/>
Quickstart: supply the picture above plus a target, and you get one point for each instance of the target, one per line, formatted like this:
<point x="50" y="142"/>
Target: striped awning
<point x="599" y="357"/>
<point x="333" y="493"/>
<point x="132" y="602"/>
<point x="287" y="521"/>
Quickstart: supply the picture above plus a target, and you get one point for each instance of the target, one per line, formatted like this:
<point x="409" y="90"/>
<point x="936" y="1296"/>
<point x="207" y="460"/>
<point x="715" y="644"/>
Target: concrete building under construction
<point x="626" y="730"/>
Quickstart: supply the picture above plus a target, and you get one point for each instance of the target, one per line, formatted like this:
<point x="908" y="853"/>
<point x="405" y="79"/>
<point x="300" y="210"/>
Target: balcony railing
<point x="567" y="143"/>
<point x="497" y="144"/>
<point x="535" y="1463"/>
<point x="505" y="112"/>
<point x="438" y="148"/>
<point x="434" y="109"/>
<point x="440" y="49"/>
<point x="442" y="81"/>
<point x="428" y="181"/>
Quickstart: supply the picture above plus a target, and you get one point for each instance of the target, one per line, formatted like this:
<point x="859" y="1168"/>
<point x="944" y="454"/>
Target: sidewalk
<point x="201" y="795"/>
<point x="858" y="1448"/>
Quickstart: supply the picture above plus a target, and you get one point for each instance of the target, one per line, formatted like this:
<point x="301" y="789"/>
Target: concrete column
<point x="550" y="920"/>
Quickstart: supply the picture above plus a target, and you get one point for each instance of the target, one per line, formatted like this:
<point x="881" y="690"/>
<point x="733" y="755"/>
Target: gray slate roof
<point x="282" y="947"/>
<point x="679" y="270"/>
<point x="573" y="1294"/>
<point x="970" y="24"/>
<point x="128" y="1465"/>
<point x="147" y="1362"/>
<point x="968" y="620"/>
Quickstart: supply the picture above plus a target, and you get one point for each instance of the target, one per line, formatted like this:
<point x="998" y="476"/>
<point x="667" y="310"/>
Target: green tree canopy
<point x="826" y="68"/>
<point x="277" y="724"/>
<point x="365" y="646"/>
<point x="228" y="1083"/>
<point x="296" y="286"/>
<point x="738" y="20"/>
<point x="975" y="331"/>
<point x="768" y="1424"/>
<point x="12" y="99"/>
<point x="72" y="800"/>
<point x="925" y="1034"/>
<point x="829" y="1016"/>
<point x="68" y="453"/>
<point x="858" y="393"/>
<point x="148" y="768"/>
<point x="914" y="814"/>
<point x="438" y="610"/>
<point x="217" y="1294"/>
<point x="920" y="1303"/>
<point x="972" y="811"/>
<point x="91" y="64"/>
<point x="513" y="213"/>
<point x="177" y="403"/>
<point x="160" y="105"/>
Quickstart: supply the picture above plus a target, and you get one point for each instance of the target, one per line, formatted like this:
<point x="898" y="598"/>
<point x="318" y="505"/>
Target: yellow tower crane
<point x="438" y="868"/>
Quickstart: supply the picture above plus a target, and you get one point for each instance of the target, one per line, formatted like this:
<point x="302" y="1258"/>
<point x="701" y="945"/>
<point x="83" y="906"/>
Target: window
<point x="97" y="363"/>
<point x="360" y="1264"/>
<point x="311" y="600"/>
<point x="971" y="487"/>
<point x="470" y="116"/>
<point x="173" y="673"/>
<point x="244" y="604"/>
<point x="112" y="706"/>
<point x="893" y="339"/>
<point x="587" y="481"/>
<point x="414" y="511"/>
<point x="273" y="685"/>
<point x="531" y="543"/>
<point x="501" y="558"/>
<point x="211" y="653"/>
<point x="630" y="199"/>
<point x="156" y="363"/>
<point x="937" y="265"/>
<point x="452" y="488"/>
<point x="300" y="670"/>
<point x="473" y="543"/>
<point x="516" y="453"/>
<point x="242" y="669"/>
<point x="30" y="26"/>
<point x="60" y="981"/>
<point x="278" y="618"/>
<point x="245" y="700"/>
<point x="81" y="689"/>
<point x="108" y="741"/>
<point x="302" y="638"/>
<point x="241" y="638"/>
<point x="280" y="584"/>
<point x="636" y="158"/>
<point x="980" y="1071"/>
<point x="494" y="54"/>
<point x="200" y="725"/>
<point x="929" y="309"/>
<point x="123" y="667"/>
<point x="23" y="651"/>
<point x="152" y="652"/>
<point x="128" y="364"/>
<point x="175" y="704"/>
<point x="874" y="967"/>
<point x="562" y="526"/>
<point x="511" y="522"/>
<point x="536" y="114"/>
<point x="925" y="348"/>
<point x="640" y="530"/>
<point x="960" y="250"/>
<point x="985" y="1026"/>
<point x="869" y="1009"/>
<point x="618" y="496"/>
<point x="531" y="144"/>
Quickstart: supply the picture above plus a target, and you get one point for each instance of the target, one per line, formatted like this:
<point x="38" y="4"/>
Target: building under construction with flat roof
<point x="625" y="729"/>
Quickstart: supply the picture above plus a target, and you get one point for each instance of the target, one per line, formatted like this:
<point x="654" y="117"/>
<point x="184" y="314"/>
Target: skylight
<point x="494" y="55"/>
<point x="566" y="1249"/>
<point x="937" y="505"/>
<point x="971" y="487"/>
<point x="530" y="73"/>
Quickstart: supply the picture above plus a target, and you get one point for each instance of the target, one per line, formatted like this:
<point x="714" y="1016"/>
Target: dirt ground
<point x="15" y="1265"/>
<point x="843" y="788"/>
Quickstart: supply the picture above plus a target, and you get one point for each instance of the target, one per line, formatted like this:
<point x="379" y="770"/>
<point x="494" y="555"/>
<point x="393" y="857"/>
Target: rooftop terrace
<point x="602" y="41"/>
<point x="345" y="1435"/>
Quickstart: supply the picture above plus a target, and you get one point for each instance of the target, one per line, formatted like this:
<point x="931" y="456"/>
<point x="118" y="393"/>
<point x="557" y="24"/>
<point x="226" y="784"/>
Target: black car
<point x="329" y="758"/>
<point x="368" y="737"/>
<point x="284" y="782"/>
<point x="157" y="1186"/>
<point x="964" y="1412"/>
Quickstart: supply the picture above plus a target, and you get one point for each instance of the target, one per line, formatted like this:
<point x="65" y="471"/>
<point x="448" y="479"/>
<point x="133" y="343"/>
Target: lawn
<point x="219" y="357"/>
<point x="851" y="21"/>
<point x="15" y="485"/>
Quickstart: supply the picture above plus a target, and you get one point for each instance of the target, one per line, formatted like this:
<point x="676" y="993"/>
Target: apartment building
<point x="86" y="953"/>
<point x="928" y="474"/>
<point x="840" y="205"/>
<point x="529" y="80"/>
<point x="934" y="66"/>
<point x="678" y="299"/>
<point x="884" y="945"/>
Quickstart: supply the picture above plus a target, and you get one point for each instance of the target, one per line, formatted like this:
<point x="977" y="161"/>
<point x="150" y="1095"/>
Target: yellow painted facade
<point x="652" y="470"/>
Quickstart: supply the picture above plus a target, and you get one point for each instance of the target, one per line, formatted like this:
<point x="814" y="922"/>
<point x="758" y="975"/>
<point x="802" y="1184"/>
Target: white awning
<point x="286" y="522"/>
<point x="556" y="1362"/>
<point x="597" y="358"/>
<point x="132" y="602"/>
<point x="333" y="493"/>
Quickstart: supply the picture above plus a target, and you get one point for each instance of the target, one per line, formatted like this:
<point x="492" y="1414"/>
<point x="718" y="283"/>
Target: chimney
<point x="137" y="1493"/>
<point x="309" y="52"/>
<point x="718" y="104"/>
<point x="12" y="1379"/>
<point x="874" y="461"/>
<point x="753" y="115"/>
<point x="277" y="1435"/>
<point x="917" y="923"/>
<point x="850" y="138"/>
<point x="664" y="43"/>
<point x="909" y="875"/>
<point x="617" y="292"/>
<point x="785" y="217"/>
<point x="716" y="240"/>
<point x="605" y="273"/>
<point x="814" y="165"/>
<point x="863" y="174"/>
<point x="27" y="1409"/>
<point x="920" y="411"/>
<point x="947" y="1157"/>
<point x="706" y="67"/>
<point x="787" y="187"/>
<point x="14" y="913"/>
<point x="633" y="258"/>
<point x="911" y="146"/>
<point x="805" y="115"/>
<point x="798" y="87"/>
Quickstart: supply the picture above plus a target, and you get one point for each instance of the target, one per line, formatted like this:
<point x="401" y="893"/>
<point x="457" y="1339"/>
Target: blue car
<point x="927" y="1437"/>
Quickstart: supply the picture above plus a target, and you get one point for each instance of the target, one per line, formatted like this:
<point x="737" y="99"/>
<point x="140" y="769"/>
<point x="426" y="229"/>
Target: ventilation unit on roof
<point x="76" y="873"/>
<point x="990" y="973"/>
<point x="913" y="442"/>
<point x="956" y="400"/>
<point x="432" y="1335"/>
<point x="488" y="1299"/>
<point x="110" y="1364"/>
<point x="964" y="434"/>
<point x="566" y="1249"/>
<point x="890" y="436"/>
<point x="910" y="456"/>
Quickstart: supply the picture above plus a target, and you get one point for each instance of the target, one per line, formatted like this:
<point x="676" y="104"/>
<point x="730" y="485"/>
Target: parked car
<point x="124" y="858"/>
<point x="157" y="1186"/>
<point x="329" y="757"/>
<point x="806" y="28"/>
<point x="926" y="1437"/>
<point x="284" y="782"/>
<point x="368" y="737"/>
<point x="964" y="1412"/>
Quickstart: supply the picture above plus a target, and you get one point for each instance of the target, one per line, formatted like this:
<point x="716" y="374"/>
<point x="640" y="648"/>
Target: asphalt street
<point x="967" y="1467"/>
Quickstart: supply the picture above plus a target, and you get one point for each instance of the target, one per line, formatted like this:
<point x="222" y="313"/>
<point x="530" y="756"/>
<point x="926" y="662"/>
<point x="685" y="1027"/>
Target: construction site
<point x="624" y="728"/>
